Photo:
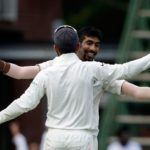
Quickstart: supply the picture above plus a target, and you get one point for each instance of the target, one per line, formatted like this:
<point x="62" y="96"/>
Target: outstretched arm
<point x="109" y="73"/>
<point x="138" y="92"/>
<point x="122" y="87"/>
<point x="26" y="72"/>
<point x="18" y="72"/>
<point x="28" y="101"/>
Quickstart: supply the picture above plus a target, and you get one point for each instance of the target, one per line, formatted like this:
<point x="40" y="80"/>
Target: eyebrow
<point x="89" y="40"/>
<point x="93" y="40"/>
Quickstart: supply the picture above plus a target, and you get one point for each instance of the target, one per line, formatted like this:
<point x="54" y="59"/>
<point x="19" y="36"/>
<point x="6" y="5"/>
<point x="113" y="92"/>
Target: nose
<point x="93" y="48"/>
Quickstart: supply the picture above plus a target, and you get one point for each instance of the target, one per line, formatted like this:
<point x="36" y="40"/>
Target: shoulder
<point x="93" y="64"/>
<point x="98" y="65"/>
<point x="40" y="77"/>
<point x="98" y="68"/>
<point x="46" y="64"/>
<point x="45" y="73"/>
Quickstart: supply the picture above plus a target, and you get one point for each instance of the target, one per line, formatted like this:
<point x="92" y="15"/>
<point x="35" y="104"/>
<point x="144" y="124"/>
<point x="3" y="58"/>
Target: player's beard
<point x="86" y="55"/>
<point x="89" y="55"/>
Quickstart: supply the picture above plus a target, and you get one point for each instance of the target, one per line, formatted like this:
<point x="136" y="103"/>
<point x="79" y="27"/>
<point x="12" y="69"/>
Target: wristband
<point x="4" y="66"/>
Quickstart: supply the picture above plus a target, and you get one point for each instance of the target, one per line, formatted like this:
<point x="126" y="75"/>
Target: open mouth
<point x="90" y="56"/>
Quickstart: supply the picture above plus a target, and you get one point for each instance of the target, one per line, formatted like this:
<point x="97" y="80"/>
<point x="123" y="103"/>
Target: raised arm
<point x="109" y="73"/>
<point x="138" y="92"/>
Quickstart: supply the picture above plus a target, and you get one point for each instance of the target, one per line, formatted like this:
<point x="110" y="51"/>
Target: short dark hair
<point x="90" y="32"/>
<point x="122" y="130"/>
<point x="66" y="38"/>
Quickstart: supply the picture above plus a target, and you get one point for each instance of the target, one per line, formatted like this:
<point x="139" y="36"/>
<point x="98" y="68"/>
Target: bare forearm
<point x="19" y="72"/>
<point x="132" y="90"/>
<point x="143" y="93"/>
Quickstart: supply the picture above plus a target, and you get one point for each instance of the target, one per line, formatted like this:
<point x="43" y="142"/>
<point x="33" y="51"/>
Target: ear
<point x="57" y="50"/>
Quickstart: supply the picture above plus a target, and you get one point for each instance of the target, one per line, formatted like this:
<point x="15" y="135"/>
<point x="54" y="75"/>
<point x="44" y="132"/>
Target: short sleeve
<point x="114" y="87"/>
<point x="45" y="65"/>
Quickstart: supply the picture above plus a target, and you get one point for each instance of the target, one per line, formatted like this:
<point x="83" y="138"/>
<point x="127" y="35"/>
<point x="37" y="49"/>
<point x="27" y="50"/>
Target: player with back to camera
<point x="90" y="39"/>
<point x="73" y="89"/>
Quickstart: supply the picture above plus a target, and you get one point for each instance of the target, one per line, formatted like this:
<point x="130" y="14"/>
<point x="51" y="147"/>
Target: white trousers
<point x="57" y="139"/>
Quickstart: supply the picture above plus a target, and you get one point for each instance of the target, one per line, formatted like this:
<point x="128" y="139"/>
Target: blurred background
<point x="33" y="21"/>
<point x="26" y="29"/>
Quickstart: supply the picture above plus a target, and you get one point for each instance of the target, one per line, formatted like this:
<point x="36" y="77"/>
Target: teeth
<point x="91" y="54"/>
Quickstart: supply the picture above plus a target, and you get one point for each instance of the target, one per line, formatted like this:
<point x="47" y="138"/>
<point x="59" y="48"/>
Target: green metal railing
<point x="136" y="20"/>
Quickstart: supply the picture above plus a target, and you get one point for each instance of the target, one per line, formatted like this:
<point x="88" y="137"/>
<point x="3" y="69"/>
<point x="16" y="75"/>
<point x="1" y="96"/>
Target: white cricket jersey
<point x="114" y="87"/>
<point x="73" y="90"/>
<point x="46" y="64"/>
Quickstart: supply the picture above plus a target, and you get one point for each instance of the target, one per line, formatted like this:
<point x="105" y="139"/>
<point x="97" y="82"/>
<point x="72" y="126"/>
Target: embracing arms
<point x="122" y="87"/>
<point x="22" y="72"/>
<point x="18" y="72"/>
<point x="28" y="72"/>
<point x="135" y="91"/>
